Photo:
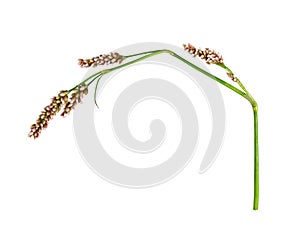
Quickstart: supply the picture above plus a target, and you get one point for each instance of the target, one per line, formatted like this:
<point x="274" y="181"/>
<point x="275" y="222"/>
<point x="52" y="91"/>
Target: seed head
<point x="48" y="113"/>
<point x="75" y="98"/>
<point x="208" y="55"/>
<point x="103" y="59"/>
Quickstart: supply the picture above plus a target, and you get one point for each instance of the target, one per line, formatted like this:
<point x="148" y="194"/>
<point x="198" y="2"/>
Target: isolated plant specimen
<point x="66" y="100"/>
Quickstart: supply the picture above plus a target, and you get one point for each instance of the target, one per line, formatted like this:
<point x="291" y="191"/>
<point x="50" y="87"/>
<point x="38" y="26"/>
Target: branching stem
<point x="244" y="93"/>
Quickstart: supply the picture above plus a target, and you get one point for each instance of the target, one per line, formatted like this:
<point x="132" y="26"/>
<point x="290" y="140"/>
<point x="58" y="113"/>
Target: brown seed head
<point x="208" y="55"/>
<point x="103" y="59"/>
<point x="48" y="113"/>
<point x="75" y="98"/>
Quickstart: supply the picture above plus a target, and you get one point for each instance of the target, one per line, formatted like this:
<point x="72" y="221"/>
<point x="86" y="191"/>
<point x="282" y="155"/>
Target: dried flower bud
<point x="232" y="77"/>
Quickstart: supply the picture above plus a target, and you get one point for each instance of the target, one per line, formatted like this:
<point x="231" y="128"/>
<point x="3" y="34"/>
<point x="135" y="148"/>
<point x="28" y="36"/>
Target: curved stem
<point x="153" y="53"/>
<point x="256" y="149"/>
<point x="249" y="97"/>
<point x="211" y="76"/>
<point x="141" y="53"/>
<point x="93" y="75"/>
<point x="94" y="79"/>
<point x="96" y="87"/>
<point x="244" y="94"/>
<point x="195" y="67"/>
<point x="157" y="52"/>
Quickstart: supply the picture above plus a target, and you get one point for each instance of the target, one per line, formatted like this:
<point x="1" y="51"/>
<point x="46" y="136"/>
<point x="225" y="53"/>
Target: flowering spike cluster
<point x="111" y="58"/>
<point x="48" y="113"/>
<point x="59" y="102"/>
<point x="209" y="56"/>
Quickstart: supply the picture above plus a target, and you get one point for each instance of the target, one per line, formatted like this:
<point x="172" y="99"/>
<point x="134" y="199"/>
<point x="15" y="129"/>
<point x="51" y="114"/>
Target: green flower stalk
<point x="67" y="100"/>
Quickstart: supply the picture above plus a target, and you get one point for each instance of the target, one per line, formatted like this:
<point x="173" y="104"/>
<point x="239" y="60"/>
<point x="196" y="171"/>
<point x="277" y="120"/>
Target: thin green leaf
<point x="95" y="92"/>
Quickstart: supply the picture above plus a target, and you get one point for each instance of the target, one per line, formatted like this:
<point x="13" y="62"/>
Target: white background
<point x="45" y="182"/>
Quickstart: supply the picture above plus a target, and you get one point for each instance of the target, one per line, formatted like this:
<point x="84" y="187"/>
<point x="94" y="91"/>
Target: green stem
<point x="93" y="75"/>
<point x="157" y="52"/>
<point x="244" y="94"/>
<point x="211" y="76"/>
<point x="191" y="65"/>
<point x="249" y="97"/>
<point x="99" y="75"/>
<point x="256" y="160"/>
<point x="141" y="53"/>
<point x="256" y="150"/>
<point x="224" y="67"/>
<point x="153" y="53"/>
